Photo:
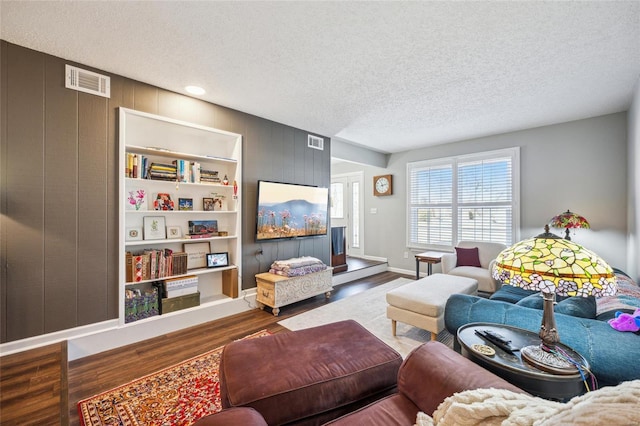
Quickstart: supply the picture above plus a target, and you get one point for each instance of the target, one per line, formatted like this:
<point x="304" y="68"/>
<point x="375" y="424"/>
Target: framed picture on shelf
<point x="217" y="260"/>
<point x="207" y="204"/>
<point x="203" y="227"/>
<point x="196" y="254"/>
<point x="185" y="203"/>
<point x="134" y="234"/>
<point x="136" y="200"/>
<point x="174" y="232"/>
<point x="154" y="228"/>
<point x="163" y="202"/>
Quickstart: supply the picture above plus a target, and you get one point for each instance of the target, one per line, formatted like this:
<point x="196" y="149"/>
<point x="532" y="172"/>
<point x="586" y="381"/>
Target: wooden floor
<point x="98" y="373"/>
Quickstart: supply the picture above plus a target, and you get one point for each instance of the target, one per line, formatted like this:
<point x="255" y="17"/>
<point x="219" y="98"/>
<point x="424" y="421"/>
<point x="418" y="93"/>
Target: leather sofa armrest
<point x="244" y="416"/>
<point x="433" y="372"/>
<point x="449" y="261"/>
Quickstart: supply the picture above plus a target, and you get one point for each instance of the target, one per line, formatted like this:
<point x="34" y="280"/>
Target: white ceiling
<point x="392" y="76"/>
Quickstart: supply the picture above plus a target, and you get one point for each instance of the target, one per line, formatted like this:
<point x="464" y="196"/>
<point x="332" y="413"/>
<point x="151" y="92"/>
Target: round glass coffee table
<point x="511" y="366"/>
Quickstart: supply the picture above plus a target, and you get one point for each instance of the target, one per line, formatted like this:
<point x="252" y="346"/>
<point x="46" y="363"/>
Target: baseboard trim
<point x="95" y="338"/>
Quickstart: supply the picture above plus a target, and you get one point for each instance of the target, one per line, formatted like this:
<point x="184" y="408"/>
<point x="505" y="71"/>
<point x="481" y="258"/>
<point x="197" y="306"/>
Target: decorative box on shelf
<point x="276" y="291"/>
<point x="173" y="304"/>
<point x="140" y="306"/>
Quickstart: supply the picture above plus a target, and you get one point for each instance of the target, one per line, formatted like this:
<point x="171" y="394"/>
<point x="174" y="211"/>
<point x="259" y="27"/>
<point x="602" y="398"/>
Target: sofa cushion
<point x="583" y="307"/>
<point x="511" y="294"/>
<point x="314" y="373"/>
<point x="467" y="256"/>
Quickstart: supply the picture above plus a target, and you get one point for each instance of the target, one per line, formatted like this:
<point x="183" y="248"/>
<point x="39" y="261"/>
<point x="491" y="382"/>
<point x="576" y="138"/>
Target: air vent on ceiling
<point x="315" y="142"/>
<point x="87" y="81"/>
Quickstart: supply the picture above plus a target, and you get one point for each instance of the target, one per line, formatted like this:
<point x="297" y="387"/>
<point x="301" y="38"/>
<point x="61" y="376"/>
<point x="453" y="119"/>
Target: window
<point x="337" y="200"/>
<point x="471" y="197"/>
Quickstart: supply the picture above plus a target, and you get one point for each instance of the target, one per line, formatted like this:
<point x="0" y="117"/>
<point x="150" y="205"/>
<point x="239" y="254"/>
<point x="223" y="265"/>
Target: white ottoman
<point x="421" y="303"/>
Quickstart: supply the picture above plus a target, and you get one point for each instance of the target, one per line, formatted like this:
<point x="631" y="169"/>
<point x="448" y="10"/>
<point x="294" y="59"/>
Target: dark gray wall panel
<point x="60" y="199"/>
<point x="24" y="211"/>
<point x="145" y="98"/>
<point x="93" y="194"/>
<point x="3" y="189"/>
<point x="122" y="95"/>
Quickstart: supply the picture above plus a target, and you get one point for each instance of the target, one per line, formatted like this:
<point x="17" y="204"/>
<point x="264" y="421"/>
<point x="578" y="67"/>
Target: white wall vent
<point x="315" y="142"/>
<point x="87" y="81"/>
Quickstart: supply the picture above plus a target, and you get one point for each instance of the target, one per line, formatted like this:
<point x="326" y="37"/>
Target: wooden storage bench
<point x="276" y="290"/>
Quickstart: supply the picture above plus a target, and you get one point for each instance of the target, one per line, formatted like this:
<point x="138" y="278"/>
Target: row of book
<point x="175" y="287"/>
<point x="139" y="166"/>
<point x="152" y="264"/>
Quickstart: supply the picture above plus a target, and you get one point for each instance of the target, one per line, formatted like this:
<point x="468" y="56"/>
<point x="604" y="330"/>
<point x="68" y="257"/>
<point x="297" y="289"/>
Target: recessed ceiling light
<point x="195" y="90"/>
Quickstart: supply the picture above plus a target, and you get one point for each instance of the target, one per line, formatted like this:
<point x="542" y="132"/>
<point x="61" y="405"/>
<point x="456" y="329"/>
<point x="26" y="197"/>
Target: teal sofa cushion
<point x="583" y="307"/>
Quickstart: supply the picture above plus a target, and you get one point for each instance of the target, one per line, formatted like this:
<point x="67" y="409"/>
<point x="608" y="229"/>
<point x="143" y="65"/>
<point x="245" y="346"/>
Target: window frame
<point x="454" y="161"/>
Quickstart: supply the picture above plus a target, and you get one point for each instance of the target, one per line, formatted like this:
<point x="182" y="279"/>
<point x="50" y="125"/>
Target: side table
<point x="517" y="371"/>
<point x="430" y="258"/>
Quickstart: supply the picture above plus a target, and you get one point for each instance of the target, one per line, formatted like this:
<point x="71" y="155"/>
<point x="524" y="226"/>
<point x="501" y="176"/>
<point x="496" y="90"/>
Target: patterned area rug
<point x="369" y="308"/>
<point x="177" y="395"/>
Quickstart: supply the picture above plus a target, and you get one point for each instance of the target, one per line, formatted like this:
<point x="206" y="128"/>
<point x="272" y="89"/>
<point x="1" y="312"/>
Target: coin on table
<point x="484" y="349"/>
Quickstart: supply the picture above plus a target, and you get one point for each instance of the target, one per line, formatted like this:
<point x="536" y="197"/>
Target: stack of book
<point x="180" y="286"/>
<point x="184" y="171"/>
<point x="153" y="264"/>
<point x="209" y="176"/>
<point x="136" y="166"/>
<point x="159" y="171"/>
<point x="195" y="172"/>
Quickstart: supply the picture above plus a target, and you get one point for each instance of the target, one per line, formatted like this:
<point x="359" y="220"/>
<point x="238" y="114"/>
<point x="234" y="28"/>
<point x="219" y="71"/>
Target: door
<point x="347" y="209"/>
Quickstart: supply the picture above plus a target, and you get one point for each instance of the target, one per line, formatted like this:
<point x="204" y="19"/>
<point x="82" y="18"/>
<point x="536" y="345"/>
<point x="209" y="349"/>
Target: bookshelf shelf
<point x="199" y="271"/>
<point x="181" y="156"/>
<point x="177" y="154"/>
<point x="176" y="240"/>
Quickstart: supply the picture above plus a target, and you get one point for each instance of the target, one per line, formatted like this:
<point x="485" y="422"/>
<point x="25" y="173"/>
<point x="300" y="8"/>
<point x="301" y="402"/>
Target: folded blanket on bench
<point x="297" y="266"/>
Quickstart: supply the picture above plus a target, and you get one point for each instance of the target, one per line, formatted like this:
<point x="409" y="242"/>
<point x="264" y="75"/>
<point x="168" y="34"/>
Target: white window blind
<point x="472" y="197"/>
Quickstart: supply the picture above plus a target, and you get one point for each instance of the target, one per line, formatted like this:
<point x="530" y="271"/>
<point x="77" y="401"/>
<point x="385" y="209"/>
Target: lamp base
<point x="547" y="361"/>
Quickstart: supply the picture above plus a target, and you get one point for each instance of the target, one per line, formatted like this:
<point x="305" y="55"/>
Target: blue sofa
<point x="614" y="356"/>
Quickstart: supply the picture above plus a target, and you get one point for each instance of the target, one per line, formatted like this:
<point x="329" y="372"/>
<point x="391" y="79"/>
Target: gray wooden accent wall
<point x="59" y="178"/>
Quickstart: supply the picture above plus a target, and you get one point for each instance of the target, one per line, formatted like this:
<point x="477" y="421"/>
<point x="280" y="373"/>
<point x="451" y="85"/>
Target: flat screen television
<point x="287" y="210"/>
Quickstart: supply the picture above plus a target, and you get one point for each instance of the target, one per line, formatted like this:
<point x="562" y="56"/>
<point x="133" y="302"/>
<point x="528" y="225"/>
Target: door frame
<point x="350" y="178"/>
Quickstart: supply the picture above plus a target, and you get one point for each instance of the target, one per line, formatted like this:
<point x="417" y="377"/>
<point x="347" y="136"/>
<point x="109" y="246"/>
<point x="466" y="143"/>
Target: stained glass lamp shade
<point x="569" y="220"/>
<point x="552" y="265"/>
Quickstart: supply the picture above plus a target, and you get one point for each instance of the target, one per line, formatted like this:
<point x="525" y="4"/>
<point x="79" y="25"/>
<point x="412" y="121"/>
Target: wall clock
<point x="382" y="185"/>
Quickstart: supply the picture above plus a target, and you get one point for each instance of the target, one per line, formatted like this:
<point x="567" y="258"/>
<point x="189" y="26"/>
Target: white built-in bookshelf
<point x="203" y="214"/>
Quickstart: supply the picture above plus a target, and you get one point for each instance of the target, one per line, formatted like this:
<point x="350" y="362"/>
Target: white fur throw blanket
<point x="612" y="405"/>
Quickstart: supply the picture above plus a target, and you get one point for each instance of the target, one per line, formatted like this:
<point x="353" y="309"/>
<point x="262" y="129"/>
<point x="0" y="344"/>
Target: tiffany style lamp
<point x="553" y="265"/>
<point x="568" y="220"/>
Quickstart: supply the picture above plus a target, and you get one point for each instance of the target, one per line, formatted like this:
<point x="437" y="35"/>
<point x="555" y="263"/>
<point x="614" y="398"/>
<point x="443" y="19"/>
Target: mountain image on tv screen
<point x="290" y="211"/>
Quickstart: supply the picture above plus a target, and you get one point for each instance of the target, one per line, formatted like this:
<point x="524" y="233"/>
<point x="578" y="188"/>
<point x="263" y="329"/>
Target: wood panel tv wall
<point x="59" y="179"/>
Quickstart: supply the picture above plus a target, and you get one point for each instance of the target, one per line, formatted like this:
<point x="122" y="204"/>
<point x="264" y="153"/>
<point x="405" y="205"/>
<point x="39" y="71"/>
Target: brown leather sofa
<point x="428" y="375"/>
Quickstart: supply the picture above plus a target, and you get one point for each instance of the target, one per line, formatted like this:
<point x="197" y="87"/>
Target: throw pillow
<point x="533" y="301"/>
<point x="467" y="256"/>
<point x="511" y="294"/>
<point x="583" y="307"/>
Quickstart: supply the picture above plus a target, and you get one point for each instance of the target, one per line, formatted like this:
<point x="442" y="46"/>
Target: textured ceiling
<point x="388" y="75"/>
